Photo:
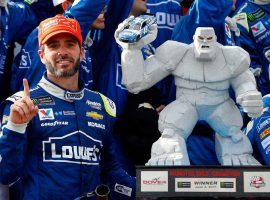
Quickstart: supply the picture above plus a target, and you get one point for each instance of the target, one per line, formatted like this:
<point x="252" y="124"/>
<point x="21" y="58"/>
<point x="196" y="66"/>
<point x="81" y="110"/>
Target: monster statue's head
<point x="205" y="43"/>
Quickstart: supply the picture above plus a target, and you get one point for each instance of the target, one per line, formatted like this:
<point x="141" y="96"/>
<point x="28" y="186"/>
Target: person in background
<point x="168" y="14"/>
<point x="258" y="132"/>
<point x="18" y="19"/>
<point x="253" y="21"/>
<point x="59" y="133"/>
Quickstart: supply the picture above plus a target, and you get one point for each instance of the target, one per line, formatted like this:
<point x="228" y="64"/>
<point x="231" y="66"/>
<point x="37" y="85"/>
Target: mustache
<point x="64" y="58"/>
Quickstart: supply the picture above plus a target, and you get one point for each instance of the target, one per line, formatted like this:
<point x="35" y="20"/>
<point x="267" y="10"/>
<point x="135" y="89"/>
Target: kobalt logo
<point x="64" y="149"/>
<point x="154" y="181"/>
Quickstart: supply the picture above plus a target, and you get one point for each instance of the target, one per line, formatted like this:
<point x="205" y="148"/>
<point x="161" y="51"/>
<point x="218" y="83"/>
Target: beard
<point x="63" y="74"/>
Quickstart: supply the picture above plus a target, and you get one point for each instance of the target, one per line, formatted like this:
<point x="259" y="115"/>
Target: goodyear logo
<point x="94" y="115"/>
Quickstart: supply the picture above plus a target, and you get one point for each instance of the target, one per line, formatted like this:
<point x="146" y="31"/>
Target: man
<point x="57" y="137"/>
<point x="258" y="132"/>
<point x="253" y="19"/>
<point x="202" y="92"/>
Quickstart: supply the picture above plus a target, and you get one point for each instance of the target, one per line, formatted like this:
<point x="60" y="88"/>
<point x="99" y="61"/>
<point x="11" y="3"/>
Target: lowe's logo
<point x="66" y="149"/>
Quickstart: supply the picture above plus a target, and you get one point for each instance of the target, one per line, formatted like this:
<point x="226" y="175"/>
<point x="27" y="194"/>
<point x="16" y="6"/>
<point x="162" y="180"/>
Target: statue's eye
<point x="210" y="38"/>
<point x="201" y="38"/>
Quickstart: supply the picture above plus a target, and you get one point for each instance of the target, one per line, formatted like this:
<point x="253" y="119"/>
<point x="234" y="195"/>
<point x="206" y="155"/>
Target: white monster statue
<point x="203" y="72"/>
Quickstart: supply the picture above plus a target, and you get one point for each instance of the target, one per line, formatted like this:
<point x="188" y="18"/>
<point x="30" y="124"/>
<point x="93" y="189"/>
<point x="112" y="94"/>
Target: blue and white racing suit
<point x="258" y="132"/>
<point x="254" y="24"/>
<point x="67" y="149"/>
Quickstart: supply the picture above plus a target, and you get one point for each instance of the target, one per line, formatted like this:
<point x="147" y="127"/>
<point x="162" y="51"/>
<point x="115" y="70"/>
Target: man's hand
<point x="232" y="153"/>
<point x="23" y="110"/>
<point x="251" y="102"/>
<point x="150" y="37"/>
<point x="169" y="149"/>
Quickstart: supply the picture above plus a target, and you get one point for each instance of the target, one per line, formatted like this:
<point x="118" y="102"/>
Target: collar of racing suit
<point x="60" y="92"/>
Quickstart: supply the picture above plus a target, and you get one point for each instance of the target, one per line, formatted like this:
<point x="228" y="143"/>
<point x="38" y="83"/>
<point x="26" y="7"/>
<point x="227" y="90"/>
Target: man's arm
<point x="13" y="139"/>
<point x="203" y="13"/>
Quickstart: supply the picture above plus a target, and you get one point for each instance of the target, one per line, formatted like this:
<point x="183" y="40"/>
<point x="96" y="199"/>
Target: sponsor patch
<point x="258" y="182"/>
<point x="55" y="123"/>
<point x="109" y="105"/>
<point x="61" y="149"/>
<point x="93" y="104"/>
<point x="241" y="19"/>
<point x="96" y="125"/>
<point x="94" y="115"/>
<point x="205" y="185"/>
<point x="258" y="28"/>
<point x="43" y="101"/>
<point x="261" y="125"/>
<point x="74" y="95"/>
<point x="46" y="114"/>
<point x="154" y="181"/>
<point x="264" y="133"/>
<point x="69" y="112"/>
<point x="266" y="142"/>
<point x="259" y="13"/>
<point x="123" y="189"/>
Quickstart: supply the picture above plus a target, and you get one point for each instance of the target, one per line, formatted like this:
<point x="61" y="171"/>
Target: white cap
<point x="57" y="2"/>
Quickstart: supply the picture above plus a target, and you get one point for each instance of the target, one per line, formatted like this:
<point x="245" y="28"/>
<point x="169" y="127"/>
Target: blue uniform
<point x="207" y="13"/>
<point x="258" y="132"/>
<point x="254" y="25"/>
<point x="168" y="13"/>
<point x="28" y="65"/>
<point x="66" y="149"/>
<point x="16" y="25"/>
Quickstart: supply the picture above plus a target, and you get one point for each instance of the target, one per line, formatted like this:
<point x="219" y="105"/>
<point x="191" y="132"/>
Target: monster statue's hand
<point x="169" y="149"/>
<point x="233" y="153"/>
<point x="147" y="39"/>
<point x="251" y="102"/>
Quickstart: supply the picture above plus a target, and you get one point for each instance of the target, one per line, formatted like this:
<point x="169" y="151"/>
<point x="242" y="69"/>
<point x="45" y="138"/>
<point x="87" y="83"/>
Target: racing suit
<point x="258" y="132"/>
<point x="255" y="39"/>
<point x="28" y="65"/>
<point x="66" y="149"/>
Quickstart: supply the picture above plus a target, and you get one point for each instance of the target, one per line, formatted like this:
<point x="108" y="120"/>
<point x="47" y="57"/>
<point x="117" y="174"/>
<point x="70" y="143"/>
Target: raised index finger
<point x="26" y="89"/>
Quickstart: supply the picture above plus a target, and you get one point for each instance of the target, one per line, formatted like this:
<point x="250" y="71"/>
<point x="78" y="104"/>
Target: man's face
<point x="62" y="55"/>
<point x="138" y="7"/>
<point x="205" y="43"/>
